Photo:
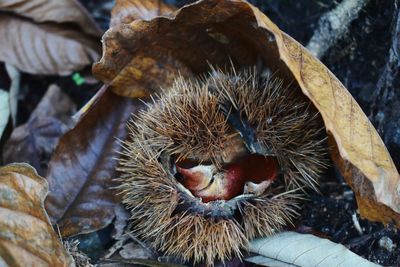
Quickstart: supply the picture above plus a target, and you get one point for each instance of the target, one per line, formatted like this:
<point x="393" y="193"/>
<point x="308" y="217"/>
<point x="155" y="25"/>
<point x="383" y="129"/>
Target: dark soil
<point x="333" y="214"/>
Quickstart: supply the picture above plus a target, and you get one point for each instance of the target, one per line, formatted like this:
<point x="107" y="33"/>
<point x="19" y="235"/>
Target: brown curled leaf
<point x="58" y="11"/>
<point x="357" y="148"/>
<point x="126" y="11"/>
<point x="81" y="198"/>
<point x="46" y="48"/>
<point x="220" y="32"/>
<point x="142" y="75"/>
<point x="151" y="69"/>
<point x="26" y="235"/>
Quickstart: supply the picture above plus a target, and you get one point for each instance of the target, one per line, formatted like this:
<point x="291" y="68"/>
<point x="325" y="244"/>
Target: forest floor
<point x="365" y="60"/>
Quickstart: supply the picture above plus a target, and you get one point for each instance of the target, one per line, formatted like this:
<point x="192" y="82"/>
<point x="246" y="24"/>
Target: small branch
<point x="333" y="25"/>
<point x="356" y="223"/>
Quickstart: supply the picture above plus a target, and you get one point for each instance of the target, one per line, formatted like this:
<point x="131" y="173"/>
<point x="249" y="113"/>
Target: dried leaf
<point x="138" y="262"/>
<point x="151" y="69"/>
<point x="26" y="236"/>
<point x="134" y="251"/>
<point x="126" y="11"/>
<point x="358" y="150"/>
<point x="120" y="223"/>
<point x="141" y="76"/>
<point x="219" y="32"/>
<point x="45" y="48"/>
<point x="81" y="198"/>
<point x="59" y="11"/>
<point x="36" y="140"/>
<point x="294" y="249"/>
<point x="55" y="104"/>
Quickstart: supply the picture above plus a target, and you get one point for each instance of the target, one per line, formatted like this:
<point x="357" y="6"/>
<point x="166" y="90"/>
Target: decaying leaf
<point x="134" y="251"/>
<point x="135" y="77"/>
<point x="137" y="262"/>
<point x="58" y="11"/>
<point x="215" y="32"/>
<point x="26" y="236"/>
<point x="45" y="48"/>
<point x="81" y="170"/>
<point x="120" y="223"/>
<point x="294" y="249"/>
<point x="55" y="104"/>
<point x="126" y="11"/>
<point x="34" y="141"/>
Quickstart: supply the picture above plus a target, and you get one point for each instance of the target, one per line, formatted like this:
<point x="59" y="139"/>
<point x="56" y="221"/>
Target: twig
<point x="333" y="25"/>
<point x="114" y="248"/>
<point x="356" y="223"/>
<point x="15" y="77"/>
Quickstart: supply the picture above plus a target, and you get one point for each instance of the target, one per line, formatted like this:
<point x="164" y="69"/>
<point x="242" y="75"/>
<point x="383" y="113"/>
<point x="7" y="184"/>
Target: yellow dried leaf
<point x="358" y="151"/>
<point x="26" y="236"/>
<point x="126" y="11"/>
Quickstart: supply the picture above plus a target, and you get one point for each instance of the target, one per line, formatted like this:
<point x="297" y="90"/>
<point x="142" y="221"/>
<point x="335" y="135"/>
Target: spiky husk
<point x="201" y="120"/>
<point x="284" y="123"/>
